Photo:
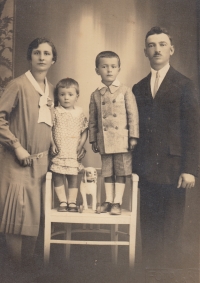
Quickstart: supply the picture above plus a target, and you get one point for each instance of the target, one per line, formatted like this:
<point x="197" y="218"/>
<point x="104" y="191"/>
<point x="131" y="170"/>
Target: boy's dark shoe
<point x="115" y="209"/>
<point x="105" y="207"/>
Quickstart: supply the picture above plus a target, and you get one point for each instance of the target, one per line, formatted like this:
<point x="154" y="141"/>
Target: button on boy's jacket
<point x="113" y="119"/>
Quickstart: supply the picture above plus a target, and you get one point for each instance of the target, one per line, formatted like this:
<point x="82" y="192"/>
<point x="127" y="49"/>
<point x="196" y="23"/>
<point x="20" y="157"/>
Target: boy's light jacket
<point x="113" y="118"/>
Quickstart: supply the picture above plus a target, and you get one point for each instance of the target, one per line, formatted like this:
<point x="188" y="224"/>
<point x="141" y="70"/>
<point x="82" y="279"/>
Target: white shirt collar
<point x="162" y="72"/>
<point x="115" y="83"/>
<point x="44" y="110"/>
<point x="36" y="85"/>
<point x="112" y="88"/>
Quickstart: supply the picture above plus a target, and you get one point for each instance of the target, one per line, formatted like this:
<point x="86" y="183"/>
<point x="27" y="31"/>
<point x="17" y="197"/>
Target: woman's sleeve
<point x="8" y="102"/>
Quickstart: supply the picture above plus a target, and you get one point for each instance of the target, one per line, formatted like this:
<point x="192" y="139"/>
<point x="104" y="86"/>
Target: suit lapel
<point x="147" y="91"/>
<point x="166" y="85"/>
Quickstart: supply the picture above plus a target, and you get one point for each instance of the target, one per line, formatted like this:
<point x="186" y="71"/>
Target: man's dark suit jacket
<point x="169" y="129"/>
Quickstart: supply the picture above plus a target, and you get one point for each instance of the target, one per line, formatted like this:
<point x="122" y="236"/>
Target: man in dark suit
<point x="166" y="157"/>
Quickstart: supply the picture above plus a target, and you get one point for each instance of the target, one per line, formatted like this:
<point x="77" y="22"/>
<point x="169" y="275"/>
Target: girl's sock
<point x="119" y="192"/>
<point x="60" y="192"/>
<point x="73" y="192"/>
<point x="109" y="188"/>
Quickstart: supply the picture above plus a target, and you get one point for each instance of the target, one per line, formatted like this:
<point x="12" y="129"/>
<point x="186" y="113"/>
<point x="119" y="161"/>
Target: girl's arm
<point x="83" y="139"/>
<point x="54" y="148"/>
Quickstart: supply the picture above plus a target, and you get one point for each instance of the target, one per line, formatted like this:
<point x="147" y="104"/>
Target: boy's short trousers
<point x="118" y="164"/>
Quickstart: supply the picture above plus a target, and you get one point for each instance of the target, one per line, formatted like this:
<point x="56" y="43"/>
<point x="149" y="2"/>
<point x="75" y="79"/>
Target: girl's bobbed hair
<point x="65" y="83"/>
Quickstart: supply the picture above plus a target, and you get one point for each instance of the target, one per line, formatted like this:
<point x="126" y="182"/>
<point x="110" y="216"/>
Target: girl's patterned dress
<point x="67" y="128"/>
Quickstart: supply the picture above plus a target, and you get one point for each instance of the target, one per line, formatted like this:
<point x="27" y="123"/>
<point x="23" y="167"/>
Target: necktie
<point x="155" y="89"/>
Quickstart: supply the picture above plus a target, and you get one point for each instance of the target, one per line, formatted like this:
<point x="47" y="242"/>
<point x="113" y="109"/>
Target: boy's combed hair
<point x="106" y="54"/>
<point x="36" y="42"/>
<point x="158" y="30"/>
<point x="65" y="83"/>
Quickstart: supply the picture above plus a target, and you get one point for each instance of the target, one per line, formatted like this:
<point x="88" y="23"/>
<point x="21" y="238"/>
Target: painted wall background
<point x="81" y="29"/>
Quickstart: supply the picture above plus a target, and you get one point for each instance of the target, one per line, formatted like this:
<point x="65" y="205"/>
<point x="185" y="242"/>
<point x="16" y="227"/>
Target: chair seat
<point x="91" y="217"/>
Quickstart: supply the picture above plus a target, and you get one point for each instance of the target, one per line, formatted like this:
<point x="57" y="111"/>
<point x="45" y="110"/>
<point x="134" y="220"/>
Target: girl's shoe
<point x="62" y="208"/>
<point x="72" y="207"/>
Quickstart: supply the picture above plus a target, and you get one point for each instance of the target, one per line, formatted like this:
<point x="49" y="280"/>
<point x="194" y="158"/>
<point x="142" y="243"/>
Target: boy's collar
<point x="113" y="87"/>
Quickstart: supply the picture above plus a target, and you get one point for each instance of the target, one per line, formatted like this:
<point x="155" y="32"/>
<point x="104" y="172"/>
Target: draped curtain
<point x="6" y="42"/>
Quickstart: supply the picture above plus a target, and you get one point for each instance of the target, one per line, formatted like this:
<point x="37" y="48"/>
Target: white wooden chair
<point x="90" y="217"/>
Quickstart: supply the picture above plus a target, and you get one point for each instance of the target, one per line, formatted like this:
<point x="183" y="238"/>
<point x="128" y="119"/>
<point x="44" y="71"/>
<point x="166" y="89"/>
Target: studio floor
<point x="91" y="264"/>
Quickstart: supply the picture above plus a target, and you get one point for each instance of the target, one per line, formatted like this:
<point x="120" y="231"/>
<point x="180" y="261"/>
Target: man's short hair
<point x="36" y="42"/>
<point x="158" y="30"/>
<point x="106" y="54"/>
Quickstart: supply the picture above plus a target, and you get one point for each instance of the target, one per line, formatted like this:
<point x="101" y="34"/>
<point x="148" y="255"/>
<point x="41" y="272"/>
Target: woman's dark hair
<point x="65" y="83"/>
<point x="36" y="42"/>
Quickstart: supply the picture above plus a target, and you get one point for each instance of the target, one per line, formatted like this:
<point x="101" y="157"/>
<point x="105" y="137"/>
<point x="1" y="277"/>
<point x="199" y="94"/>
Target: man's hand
<point x="186" y="181"/>
<point x="95" y="147"/>
<point x="132" y="143"/>
<point x="23" y="156"/>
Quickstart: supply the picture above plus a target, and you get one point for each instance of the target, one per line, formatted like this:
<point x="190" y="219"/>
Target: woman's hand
<point x="23" y="156"/>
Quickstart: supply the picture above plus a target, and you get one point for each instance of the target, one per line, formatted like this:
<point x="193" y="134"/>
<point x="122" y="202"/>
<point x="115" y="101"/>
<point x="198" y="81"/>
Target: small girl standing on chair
<point x="69" y="134"/>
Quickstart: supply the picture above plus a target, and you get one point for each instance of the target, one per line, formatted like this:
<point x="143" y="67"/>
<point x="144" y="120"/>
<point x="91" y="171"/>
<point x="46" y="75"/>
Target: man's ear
<point x="172" y="49"/>
<point x="97" y="71"/>
<point x="53" y="62"/>
<point x="145" y="52"/>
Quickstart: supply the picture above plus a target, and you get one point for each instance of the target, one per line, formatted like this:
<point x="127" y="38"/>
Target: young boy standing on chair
<point x="113" y="129"/>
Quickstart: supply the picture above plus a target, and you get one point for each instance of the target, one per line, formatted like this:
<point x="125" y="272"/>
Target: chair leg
<point x="114" y="237"/>
<point x="133" y="222"/>
<point x="47" y="238"/>
<point x="68" y="229"/>
<point x="132" y="242"/>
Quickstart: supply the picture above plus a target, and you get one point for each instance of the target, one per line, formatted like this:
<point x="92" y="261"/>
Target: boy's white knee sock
<point x="119" y="192"/>
<point x="73" y="192"/>
<point x="60" y="192"/>
<point x="109" y="188"/>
